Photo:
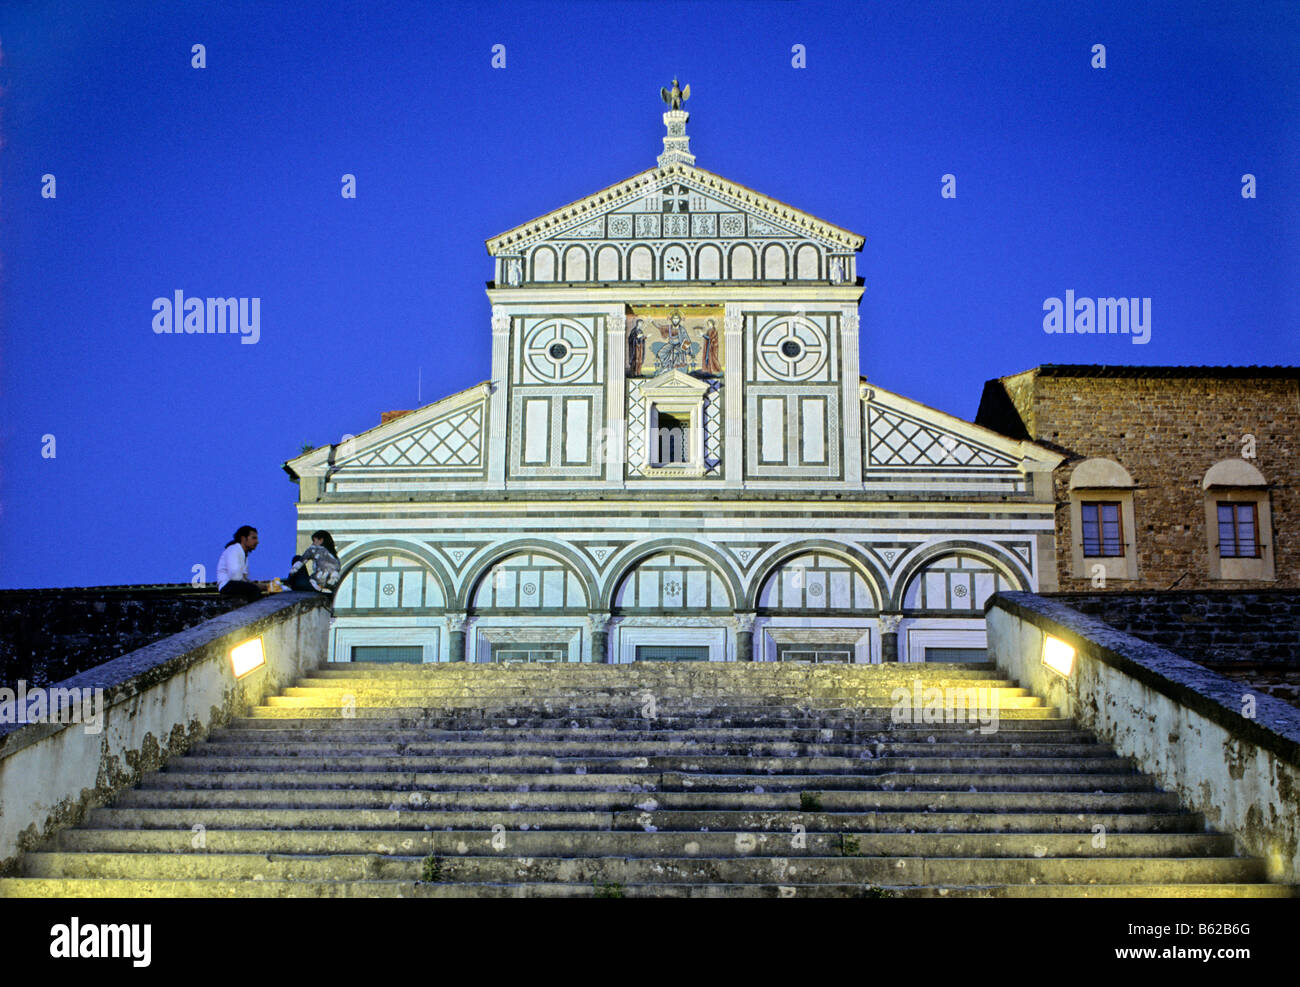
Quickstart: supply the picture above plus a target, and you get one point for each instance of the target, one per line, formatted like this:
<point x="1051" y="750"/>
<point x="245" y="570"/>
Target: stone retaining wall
<point x="1228" y="752"/>
<point x="156" y="701"/>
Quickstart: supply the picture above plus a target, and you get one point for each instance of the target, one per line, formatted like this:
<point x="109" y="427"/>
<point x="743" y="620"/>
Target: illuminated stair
<point x="655" y="779"/>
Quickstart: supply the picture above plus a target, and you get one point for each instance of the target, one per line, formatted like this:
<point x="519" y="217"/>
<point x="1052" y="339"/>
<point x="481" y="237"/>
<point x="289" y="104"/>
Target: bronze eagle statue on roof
<point x="675" y="97"/>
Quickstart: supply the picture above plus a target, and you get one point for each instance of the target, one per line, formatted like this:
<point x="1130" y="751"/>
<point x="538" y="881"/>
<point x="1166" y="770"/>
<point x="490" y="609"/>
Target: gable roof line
<point x="574" y="210"/>
<point x="1021" y="448"/>
<point x="396" y="425"/>
<point x="1224" y="371"/>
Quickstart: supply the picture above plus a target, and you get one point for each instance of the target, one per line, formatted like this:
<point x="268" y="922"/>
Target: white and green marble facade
<point x="811" y="515"/>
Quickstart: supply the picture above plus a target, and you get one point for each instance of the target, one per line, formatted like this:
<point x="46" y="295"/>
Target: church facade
<point x="676" y="457"/>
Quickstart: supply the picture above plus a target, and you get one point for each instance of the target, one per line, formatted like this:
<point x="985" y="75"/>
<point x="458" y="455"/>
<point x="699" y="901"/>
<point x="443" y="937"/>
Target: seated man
<point x="232" y="568"/>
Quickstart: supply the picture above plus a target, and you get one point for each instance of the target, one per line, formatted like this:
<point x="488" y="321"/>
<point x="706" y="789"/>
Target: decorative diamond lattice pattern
<point x="899" y="441"/>
<point x="451" y="441"/>
<point x="635" y="428"/>
<point x="713" y="428"/>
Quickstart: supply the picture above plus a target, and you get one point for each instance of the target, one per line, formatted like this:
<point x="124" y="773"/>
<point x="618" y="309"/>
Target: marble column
<point x="889" y="636"/>
<point x="744" y="621"/>
<point x="456" y="637"/>
<point x="598" y="624"/>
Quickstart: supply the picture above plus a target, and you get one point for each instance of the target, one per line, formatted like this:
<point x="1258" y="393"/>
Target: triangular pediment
<point x="673" y="382"/>
<point x="678" y="202"/>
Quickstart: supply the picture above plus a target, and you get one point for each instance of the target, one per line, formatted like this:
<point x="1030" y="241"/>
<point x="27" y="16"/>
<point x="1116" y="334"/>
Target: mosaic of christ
<point x="674" y="337"/>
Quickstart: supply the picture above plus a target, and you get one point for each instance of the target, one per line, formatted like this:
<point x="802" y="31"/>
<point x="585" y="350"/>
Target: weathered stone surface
<point x="155" y="702"/>
<point x="1230" y="754"/>
<point x="646" y="780"/>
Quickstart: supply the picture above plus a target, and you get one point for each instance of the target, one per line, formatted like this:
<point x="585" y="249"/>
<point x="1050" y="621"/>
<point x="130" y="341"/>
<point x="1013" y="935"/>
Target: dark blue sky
<point x="225" y="181"/>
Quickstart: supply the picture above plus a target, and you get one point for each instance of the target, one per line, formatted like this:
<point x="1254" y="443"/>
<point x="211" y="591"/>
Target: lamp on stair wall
<point x="247" y="657"/>
<point x="1057" y="655"/>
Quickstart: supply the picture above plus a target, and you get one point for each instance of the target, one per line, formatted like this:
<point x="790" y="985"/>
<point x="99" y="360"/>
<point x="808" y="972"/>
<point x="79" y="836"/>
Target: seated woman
<point x="317" y="568"/>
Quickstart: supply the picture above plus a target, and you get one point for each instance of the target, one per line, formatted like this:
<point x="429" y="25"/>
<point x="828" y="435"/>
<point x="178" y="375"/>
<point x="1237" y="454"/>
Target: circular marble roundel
<point x="558" y="350"/>
<point x="792" y="347"/>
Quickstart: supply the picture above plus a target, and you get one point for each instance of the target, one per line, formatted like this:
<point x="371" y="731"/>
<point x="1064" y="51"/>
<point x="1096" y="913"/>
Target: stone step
<point x="536" y="843"/>
<point x="434" y="718"/>
<point x="749" y="780"/>
<point x="312" y="743"/>
<point x="1019" y="721"/>
<point x="632" y="671"/>
<point x="101" y="888"/>
<point x="700" y="820"/>
<point x="736" y="764"/>
<point x="308" y="686"/>
<point x="906" y="871"/>
<point x="664" y="781"/>
<point x="596" y="705"/>
<point x="606" y="801"/>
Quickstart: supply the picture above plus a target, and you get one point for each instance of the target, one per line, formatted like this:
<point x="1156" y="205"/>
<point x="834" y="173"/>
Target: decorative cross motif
<point x="676" y="200"/>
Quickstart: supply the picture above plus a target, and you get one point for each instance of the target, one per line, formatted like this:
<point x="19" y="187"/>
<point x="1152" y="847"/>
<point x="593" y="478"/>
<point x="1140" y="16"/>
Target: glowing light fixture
<point x="1057" y="655"/>
<point x="247" y="657"/>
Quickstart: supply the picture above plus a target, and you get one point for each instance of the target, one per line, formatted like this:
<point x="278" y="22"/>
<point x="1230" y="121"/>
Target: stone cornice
<point x="667" y="292"/>
<point x="742" y="197"/>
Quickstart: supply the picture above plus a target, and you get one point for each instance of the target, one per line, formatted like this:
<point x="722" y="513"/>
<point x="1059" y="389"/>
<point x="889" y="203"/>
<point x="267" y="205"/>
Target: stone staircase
<point x="661" y="779"/>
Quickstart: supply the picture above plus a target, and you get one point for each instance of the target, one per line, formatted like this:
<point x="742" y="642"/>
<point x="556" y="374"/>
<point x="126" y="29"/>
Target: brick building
<point x="1174" y="476"/>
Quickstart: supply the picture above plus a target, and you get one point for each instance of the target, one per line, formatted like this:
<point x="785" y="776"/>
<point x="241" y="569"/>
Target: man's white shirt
<point x="232" y="565"/>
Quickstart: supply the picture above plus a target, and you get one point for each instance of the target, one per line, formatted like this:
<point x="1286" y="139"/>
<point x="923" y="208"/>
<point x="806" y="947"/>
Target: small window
<point x="1103" y="534"/>
<point x="797" y="652"/>
<point x="1238" y="530"/>
<point x="529" y="653"/>
<point x="671" y="439"/>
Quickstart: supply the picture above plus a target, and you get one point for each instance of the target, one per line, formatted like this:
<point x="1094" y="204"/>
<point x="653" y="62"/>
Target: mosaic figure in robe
<point x="709" y="362"/>
<point x="676" y="352"/>
<point x="635" y="349"/>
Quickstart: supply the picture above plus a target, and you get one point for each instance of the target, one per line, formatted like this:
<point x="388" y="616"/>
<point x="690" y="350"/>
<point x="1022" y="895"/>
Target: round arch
<point x="999" y="559"/>
<point x="775" y="255"/>
<point x="674" y="263"/>
<point x="577" y="264"/>
<point x="640" y="263"/>
<point x="708" y="263"/>
<point x="543" y="264"/>
<point x="741" y="263"/>
<point x="781" y="554"/>
<point x="355" y="554"/>
<point x="807" y="263"/>
<point x="1233" y="473"/>
<point x="492" y="554"/>
<point x="609" y="264"/>
<point x="1097" y="473"/>
<point x="627" y="560"/>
